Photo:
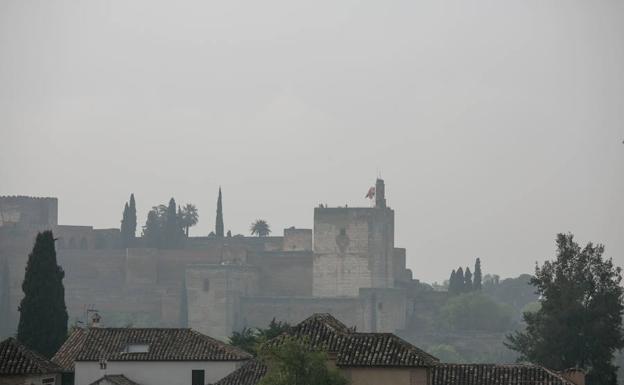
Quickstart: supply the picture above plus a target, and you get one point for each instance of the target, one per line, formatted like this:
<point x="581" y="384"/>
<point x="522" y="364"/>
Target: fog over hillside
<point x="495" y="125"/>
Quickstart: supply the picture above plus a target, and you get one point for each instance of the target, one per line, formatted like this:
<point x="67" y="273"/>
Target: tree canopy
<point x="579" y="323"/>
<point x="292" y="362"/>
<point x="43" y="315"/>
<point x="249" y="339"/>
<point x="260" y="228"/>
<point x="475" y="311"/>
<point x="188" y="217"/>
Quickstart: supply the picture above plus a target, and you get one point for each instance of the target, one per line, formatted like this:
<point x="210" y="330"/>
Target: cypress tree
<point x="459" y="278"/>
<point x="43" y="315"/>
<point x="172" y="231"/>
<point x="452" y="288"/>
<point x="467" y="280"/>
<point x="123" y="229"/>
<point x="132" y="220"/>
<point x="4" y="299"/>
<point x="219" y="224"/>
<point x="476" y="280"/>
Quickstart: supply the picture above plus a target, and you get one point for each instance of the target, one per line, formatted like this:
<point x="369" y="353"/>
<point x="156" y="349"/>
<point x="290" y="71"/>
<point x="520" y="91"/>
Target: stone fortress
<point x="347" y="265"/>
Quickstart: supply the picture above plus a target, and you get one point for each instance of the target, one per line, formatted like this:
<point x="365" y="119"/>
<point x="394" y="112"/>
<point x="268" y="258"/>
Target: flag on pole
<point x="371" y="193"/>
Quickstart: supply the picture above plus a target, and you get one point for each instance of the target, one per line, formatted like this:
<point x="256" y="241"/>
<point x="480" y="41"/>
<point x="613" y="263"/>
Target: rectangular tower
<point x="353" y="248"/>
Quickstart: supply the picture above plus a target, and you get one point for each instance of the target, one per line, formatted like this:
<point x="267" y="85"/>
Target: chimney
<point x="95" y="320"/>
<point x="574" y="375"/>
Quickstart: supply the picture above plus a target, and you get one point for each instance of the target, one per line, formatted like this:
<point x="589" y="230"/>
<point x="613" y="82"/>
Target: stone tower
<point x="353" y="248"/>
<point x="380" y="194"/>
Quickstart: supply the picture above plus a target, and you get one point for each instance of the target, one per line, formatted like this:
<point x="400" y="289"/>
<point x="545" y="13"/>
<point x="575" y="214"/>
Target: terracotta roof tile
<point x="249" y="374"/>
<point x="164" y="345"/>
<point x="15" y="358"/>
<point x="381" y="349"/>
<point x="67" y="353"/>
<point x="495" y="374"/>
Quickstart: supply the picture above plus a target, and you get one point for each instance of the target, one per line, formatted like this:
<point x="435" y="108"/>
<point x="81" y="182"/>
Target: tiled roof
<point x="322" y="330"/>
<point x="381" y="349"/>
<point x="116" y="379"/>
<point x="67" y="353"/>
<point x="164" y="345"/>
<point x="359" y="349"/>
<point x="15" y="358"/>
<point x="493" y="374"/>
<point x="249" y="374"/>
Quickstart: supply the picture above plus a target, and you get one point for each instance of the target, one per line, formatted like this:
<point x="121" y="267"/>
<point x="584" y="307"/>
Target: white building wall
<point x="155" y="372"/>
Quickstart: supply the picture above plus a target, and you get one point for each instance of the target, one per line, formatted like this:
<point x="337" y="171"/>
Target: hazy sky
<point x="495" y="124"/>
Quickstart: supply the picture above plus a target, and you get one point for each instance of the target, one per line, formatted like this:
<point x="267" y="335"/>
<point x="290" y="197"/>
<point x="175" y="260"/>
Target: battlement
<point x="28" y="211"/>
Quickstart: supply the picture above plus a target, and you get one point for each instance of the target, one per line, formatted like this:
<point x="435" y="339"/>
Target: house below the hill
<point x="21" y="366"/>
<point x="146" y="356"/>
<point x="384" y="358"/>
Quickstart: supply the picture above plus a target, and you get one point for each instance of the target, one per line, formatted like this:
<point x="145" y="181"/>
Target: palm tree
<point x="260" y="228"/>
<point x="188" y="217"/>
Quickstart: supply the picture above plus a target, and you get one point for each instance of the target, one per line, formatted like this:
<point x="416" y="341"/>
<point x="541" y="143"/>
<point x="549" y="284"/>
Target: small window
<point x="49" y="381"/>
<point x="137" y="348"/>
<point x="380" y="306"/>
<point x="198" y="377"/>
<point x="206" y="285"/>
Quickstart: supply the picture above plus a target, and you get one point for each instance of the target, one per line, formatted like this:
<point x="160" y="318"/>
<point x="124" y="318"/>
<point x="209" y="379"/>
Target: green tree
<point x="467" y="280"/>
<point x="172" y="231"/>
<point x="292" y="362"/>
<point x="128" y="223"/>
<point x="219" y="222"/>
<point x="43" y="315"/>
<point x="475" y="312"/>
<point x="476" y="280"/>
<point x="246" y="339"/>
<point x="188" y="217"/>
<point x="152" y="231"/>
<point x="580" y="321"/>
<point x="459" y="277"/>
<point x="249" y="339"/>
<point x="515" y="292"/>
<point x="260" y="228"/>
<point x="452" y="287"/>
<point x="123" y="229"/>
<point x="132" y="219"/>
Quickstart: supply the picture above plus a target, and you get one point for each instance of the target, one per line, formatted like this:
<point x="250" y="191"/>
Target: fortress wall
<point x="26" y="211"/>
<point x="399" y="269"/>
<point x="213" y="297"/>
<point x="297" y="239"/>
<point x="172" y="263"/>
<point x="284" y="274"/>
<point x="74" y="237"/>
<point x="385" y="309"/>
<point x="259" y="311"/>
<point x="249" y="243"/>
